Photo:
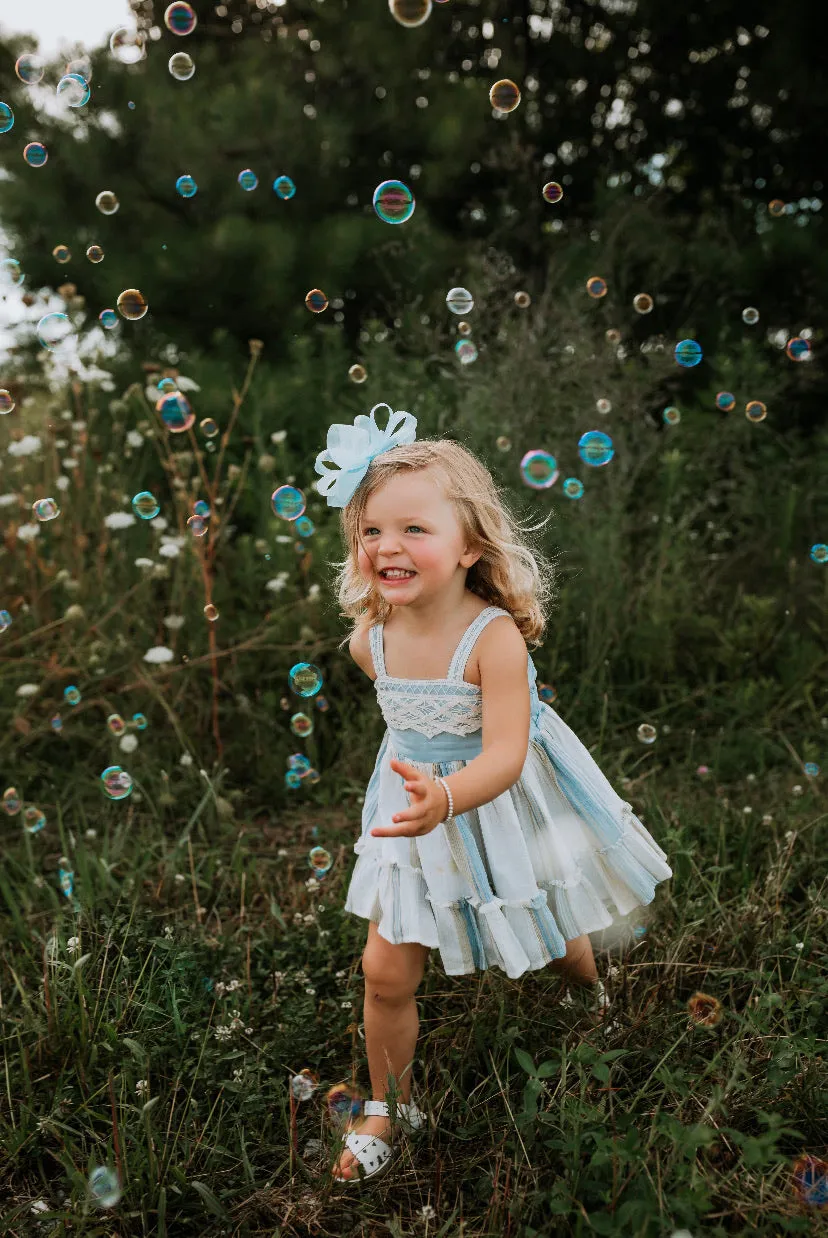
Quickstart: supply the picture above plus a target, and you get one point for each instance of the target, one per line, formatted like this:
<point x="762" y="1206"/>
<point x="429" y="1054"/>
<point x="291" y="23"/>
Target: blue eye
<point x="415" y="526"/>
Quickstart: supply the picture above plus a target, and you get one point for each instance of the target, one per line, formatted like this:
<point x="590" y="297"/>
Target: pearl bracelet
<point x="447" y="790"/>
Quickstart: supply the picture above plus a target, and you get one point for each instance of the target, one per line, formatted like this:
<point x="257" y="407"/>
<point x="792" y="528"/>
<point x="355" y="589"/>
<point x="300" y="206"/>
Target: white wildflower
<point x="71" y="463"/>
<point x="26" y="446"/>
<point x="74" y="612"/>
<point x="39" y="1205"/>
<point x="278" y="436"/>
<point x="187" y="384"/>
<point x="128" y="743"/>
<point x="170" y="550"/>
<point x="159" y="522"/>
<point x="26" y="532"/>
<point x="174" y="622"/>
<point x="145" y="563"/>
<point x="119" y="520"/>
<point x="266" y="463"/>
<point x="77" y="426"/>
<point x="168" y="931"/>
<point x="185" y="759"/>
<point x="27" y="689"/>
<point x="283" y="539"/>
<point x="313" y="592"/>
<point x="90" y="833"/>
<point x="6" y="500"/>
<point x="72" y="945"/>
<point x="277" y="584"/>
<point x="238" y="1075"/>
<point x="179" y="879"/>
<point x="62" y="482"/>
<point x="158" y="654"/>
<point x="141" y="1087"/>
<point x="134" y="439"/>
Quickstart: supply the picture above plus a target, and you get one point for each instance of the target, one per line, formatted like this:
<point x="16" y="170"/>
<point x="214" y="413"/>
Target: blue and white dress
<point x="509" y="883"/>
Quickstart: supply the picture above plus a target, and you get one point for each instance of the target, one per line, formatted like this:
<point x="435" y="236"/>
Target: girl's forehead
<point x="415" y="490"/>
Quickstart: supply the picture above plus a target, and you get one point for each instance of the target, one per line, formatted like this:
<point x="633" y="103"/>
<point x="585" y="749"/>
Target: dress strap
<point x="468" y="639"/>
<point x="377" y="651"/>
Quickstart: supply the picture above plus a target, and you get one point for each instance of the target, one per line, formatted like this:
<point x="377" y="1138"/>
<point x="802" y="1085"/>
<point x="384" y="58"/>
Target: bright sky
<point x="61" y="23"/>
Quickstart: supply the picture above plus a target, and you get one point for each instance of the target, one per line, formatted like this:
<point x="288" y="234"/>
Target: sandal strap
<point x="369" y="1150"/>
<point x="410" y="1114"/>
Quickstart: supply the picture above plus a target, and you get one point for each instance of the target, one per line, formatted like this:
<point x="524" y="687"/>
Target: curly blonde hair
<point x="508" y="573"/>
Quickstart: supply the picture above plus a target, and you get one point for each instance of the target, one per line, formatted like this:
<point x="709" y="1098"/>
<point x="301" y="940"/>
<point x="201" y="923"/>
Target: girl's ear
<point x="470" y="557"/>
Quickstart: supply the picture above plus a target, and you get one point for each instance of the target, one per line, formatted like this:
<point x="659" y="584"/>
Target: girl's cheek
<point x="365" y="568"/>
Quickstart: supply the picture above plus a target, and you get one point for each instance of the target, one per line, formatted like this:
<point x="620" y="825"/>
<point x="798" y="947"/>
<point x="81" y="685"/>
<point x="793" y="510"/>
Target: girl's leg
<point x="392" y="977"/>
<point x="579" y="961"/>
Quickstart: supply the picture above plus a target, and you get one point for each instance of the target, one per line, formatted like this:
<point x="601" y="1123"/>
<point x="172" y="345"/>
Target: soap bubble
<point x="62" y="254"/>
<point x="547" y="693"/>
<point x="301" y="725"/>
<point x="45" y="509"/>
<point x="573" y="488"/>
<point x="539" y="469"/>
<point x="35" y="154"/>
<point x="284" y="187"/>
<point x="197" y="526"/>
<point x="646" y="733"/>
<point x="201" y="508"/>
<point x="642" y="303"/>
<point x="66" y="878"/>
<point x="552" y="192"/>
<point x="208" y="427"/>
<point x="6" y="402"/>
<point x="30" y="68"/>
<point x="818" y="552"/>
<point x="166" y="385"/>
<point x="798" y="349"/>
<point x="6" y="118"/>
<point x="94" y="253"/>
<point x="357" y="373"/>
<point x="466" y="352"/>
<point x="33" y="819"/>
<point x="180" y="18"/>
<point x="688" y="353"/>
<point x="504" y="96"/>
<point x="613" y="336"/>
<point x="73" y="90"/>
<point x="186" y="186"/>
<point x="725" y="400"/>
<point x="502" y="443"/>
<point x="671" y="416"/>
<point x="72" y="695"/>
<point x="104" y="1186"/>
<point x="776" y="207"/>
<point x="108" y="319"/>
<point x="288" y="502"/>
<point x="139" y="722"/>
<point x="131" y="304"/>
<point x="755" y="410"/>
<point x="304" y="526"/>
<point x="595" y="448"/>
<point x="460" y="301"/>
<point x="604" y="406"/>
<point x="410" y="13"/>
<point x="53" y="330"/>
<point x="596" y="287"/>
<point x="106" y="202"/>
<point x="464" y="328"/>
<point x="12" y="802"/>
<point x="393" y="202"/>
<point x="248" y="179"/>
<point x="176" y="412"/>
<point x="181" y="66"/>
<point x="305" y="679"/>
<point x="522" y="300"/>
<point x="127" y="45"/>
<point x="116" y="725"/>
<point x="211" y="612"/>
<point x="10" y="272"/>
<point x="750" y="315"/>
<point x="316" y="301"/>
<point x="145" y="505"/>
<point x="319" y="860"/>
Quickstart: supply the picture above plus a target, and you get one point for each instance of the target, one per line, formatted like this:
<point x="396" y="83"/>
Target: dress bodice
<point x="435" y="706"/>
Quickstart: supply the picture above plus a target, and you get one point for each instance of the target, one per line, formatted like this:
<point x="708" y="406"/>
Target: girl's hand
<point x="429" y="805"/>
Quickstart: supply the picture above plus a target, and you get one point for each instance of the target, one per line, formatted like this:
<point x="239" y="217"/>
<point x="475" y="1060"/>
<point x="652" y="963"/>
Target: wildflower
<point x="27" y="689"/>
<point x="266" y="463"/>
<point x="134" y="439"/>
<point x="747" y="810"/>
<point x="90" y="833"/>
<point x="159" y="522"/>
<point x="144" y="563"/>
<point x="238" y="1075"/>
<point x="25" y="446"/>
<point x="277" y="583"/>
<point x="158" y="654"/>
<point x="168" y="931"/>
<point x="174" y="622"/>
<point x="26" y="532"/>
<point x="119" y="520"/>
<point x="128" y="743"/>
<point x="185" y="759"/>
<point x="186" y="384"/>
<point x="767" y="819"/>
<point x="169" y="550"/>
<point x="278" y="436"/>
<point x="7" y="500"/>
<point x="313" y="592"/>
<point x="233" y="472"/>
<point x="797" y="790"/>
<point x="72" y="945"/>
<point x="256" y="347"/>
<point x="141" y="1087"/>
<point x="74" y="612"/>
<point x="223" y="1033"/>
<point x="179" y="879"/>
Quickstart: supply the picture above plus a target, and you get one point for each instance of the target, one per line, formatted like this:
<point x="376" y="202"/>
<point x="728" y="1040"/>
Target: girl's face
<point x="409" y="524"/>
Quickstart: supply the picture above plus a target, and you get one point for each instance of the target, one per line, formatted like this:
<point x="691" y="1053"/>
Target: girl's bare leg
<point x="579" y="961"/>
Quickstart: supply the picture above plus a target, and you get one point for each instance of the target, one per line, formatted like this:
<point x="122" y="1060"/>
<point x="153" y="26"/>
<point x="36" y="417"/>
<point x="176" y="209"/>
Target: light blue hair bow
<point x="352" y="448"/>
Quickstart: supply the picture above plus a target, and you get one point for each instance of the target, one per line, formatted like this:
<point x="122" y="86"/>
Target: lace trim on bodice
<point x="433" y="706"/>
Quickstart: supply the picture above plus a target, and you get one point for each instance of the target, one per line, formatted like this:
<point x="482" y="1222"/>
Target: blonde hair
<point x="508" y="573"/>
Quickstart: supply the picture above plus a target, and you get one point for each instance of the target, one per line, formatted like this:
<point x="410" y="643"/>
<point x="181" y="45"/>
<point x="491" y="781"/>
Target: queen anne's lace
<point x="433" y="706"/>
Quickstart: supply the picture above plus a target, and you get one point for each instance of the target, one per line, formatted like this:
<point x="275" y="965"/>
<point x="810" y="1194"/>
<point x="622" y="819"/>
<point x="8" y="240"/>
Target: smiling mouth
<point x="396" y="573"/>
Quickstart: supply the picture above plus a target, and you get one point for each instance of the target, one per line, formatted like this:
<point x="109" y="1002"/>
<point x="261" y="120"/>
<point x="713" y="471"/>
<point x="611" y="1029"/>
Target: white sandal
<point x="373" y="1154"/>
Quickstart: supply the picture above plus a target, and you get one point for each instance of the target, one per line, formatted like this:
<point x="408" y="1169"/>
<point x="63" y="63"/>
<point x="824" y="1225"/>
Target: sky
<point x="58" y="23"/>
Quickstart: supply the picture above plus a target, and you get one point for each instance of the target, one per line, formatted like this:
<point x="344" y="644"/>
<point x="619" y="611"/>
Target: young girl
<point x="488" y="831"/>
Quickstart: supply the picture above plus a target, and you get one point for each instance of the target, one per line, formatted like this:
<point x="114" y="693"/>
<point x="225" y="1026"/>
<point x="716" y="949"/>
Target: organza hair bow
<point x="352" y="448"/>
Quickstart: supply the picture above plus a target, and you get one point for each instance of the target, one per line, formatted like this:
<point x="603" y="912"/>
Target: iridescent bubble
<point x="320" y="860"/>
<point x="30" y="68"/>
<point x="573" y="488"/>
<point x="552" y="192"/>
<point x="301" y="725"/>
<point x="145" y="505"/>
<point x="186" y="186"/>
<point x="595" y="448"/>
<point x="798" y="349"/>
<point x="292" y="779"/>
<point x="176" y="412"/>
<point x="642" y="303"/>
<point x="95" y="254"/>
<point x="117" y="783"/>
<point x="460" y="301"/>
<point x="104" y="1186"/>
<point x="410" y="13"/>
<point x="66" y="878"/>
<point x="316" y="301"/>
<point x="108" y="319"/>
<point x="62" y="254"/>
<point x="284" y="187"/>
<point x="166" y="384"/>
<point x="755" y="410"/>
<point x="466" y="352"/>
<point x="322" y="704"/>
<point x="202" y="508"/>
<point x="357" y="373"/>
<point x="596" y="286"/>
<point x="12" y="802"/>
<point x="750" y="315"/>
<point x="305" y="679"/>
<point x="53" y="330"/>
<point x="613" y="336"/>
<point x="248" y="179"/>
<point x="6" y="402"/>
<point x="604" y="406"/>
<point x="45" y="509"/>
<point x="776" y="207"/>
<point x="288" y="502"/>
<point x="646" y="733"/>
<point x="393" y="202"/>
<point x="504" y="96"/>
<point x="208" y="427"/>
<point x="6" y="118"/>
<point x="131" y="304"/>
<point x="73" y="90"/>
<point x="35" y="154"/>
<point x="5" y="621"/>
<point x="502" y="443"/>
<point x="464" y="328"/>
<point x="139" y="722"/>
<point x="33" y="819"/>
<point x="181" y="66"/>
<point x="671" y="415"/>
<point x="688" y="353"/>
<point x="10" y="272"/>
<point x="539" y="469"/>
<point x="180" y="18"/>
<point x="197" y="526"/>
<point x="344" y="1100"/>
<point x="72" y="695"/>
<point x="211" y="612"/>
<point x="127" y="45"/>
<point x="522" y="300"/>
<point x="82" y="66"/>
<point x="725" y="400"/>
<point x="116" y="725"/>
<point x="56" y="723"/>
<point x="106" y="202"/>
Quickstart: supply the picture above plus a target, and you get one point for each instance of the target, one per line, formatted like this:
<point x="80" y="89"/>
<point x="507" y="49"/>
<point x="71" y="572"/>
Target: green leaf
<point x="210" y="1200"/>
<point x="525" y="1061"/>
<point x="138" y="1051"/>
